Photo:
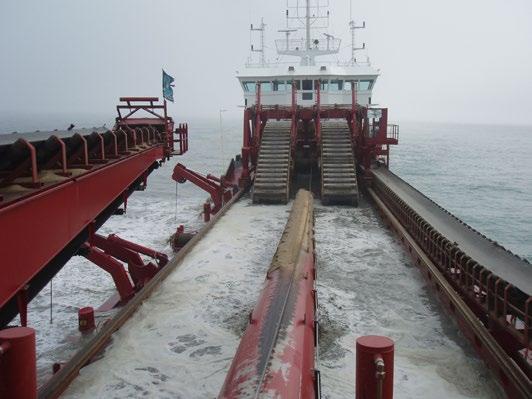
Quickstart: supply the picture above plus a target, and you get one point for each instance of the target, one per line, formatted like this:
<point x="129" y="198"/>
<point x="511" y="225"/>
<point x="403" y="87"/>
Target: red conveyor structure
<point x="58" y="188"/>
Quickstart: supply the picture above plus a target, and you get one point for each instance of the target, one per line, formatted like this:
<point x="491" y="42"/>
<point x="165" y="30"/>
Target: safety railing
<point x="392" y="132"/>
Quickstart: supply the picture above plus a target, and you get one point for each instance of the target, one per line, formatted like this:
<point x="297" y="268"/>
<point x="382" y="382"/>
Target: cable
<point x="51" y="301"/>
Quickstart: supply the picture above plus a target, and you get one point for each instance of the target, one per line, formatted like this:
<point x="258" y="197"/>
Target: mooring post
<point x="18" y="367"/>
<point x="374" y="367"/>
<point x="206" y="212"/>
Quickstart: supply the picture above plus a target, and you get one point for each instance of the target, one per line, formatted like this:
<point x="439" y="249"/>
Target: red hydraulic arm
<point x="109" y="252"/>
<point x="216" y="187"/>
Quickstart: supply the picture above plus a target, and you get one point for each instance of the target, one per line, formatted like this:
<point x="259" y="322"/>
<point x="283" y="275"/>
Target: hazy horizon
<point x="440" y="62"/>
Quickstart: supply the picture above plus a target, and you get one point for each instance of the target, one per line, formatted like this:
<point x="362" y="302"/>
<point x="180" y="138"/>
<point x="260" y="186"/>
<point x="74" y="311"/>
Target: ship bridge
<point x="335" y="84"/>
<point x="305" y="72"/>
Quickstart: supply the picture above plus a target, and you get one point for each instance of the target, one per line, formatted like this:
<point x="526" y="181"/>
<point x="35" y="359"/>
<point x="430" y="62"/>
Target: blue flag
<point x="168" y="92"/>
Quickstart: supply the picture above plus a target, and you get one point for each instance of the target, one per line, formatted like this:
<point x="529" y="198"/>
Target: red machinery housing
<point x="57" y="190"/>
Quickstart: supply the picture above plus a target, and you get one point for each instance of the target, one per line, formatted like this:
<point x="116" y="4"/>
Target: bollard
<point x="86" y="319"/>
<point x="18" y="367"/>
<point x="374" y="367"/>
<point x="206" y="212"/>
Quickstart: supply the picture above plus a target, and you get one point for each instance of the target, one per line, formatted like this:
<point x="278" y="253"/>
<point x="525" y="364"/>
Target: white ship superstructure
<point x="334" y="79"/>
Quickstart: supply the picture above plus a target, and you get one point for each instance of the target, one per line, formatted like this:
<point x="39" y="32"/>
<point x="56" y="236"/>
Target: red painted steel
<point x="71" y="181"/>
<point x="374" y="367"/>
<point x="18" y="369"/>
<point x="276" y="355"/>
<point x="217" y="188"/>
<point x="371" y="138"/>
<point x="66" y="209"/>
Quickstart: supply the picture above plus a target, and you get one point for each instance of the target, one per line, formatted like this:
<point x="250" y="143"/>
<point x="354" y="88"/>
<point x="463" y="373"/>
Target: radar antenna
<point x="307" y="15"/>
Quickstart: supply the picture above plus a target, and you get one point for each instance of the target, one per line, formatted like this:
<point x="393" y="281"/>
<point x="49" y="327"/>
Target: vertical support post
<point x="62" y="145"/>
<point x="383" y="125"/>
<point x="246" y="141"/>
<point x="206" y="212"/>
<point x="354" y="107"/>
<point x="22" y="303"/>
<point x="85" y="152"/>
<point x="294" y="114"/>
<point x="169" y="133"/>
<point x="33" y="161"/>
<point x="102" y="146"/>
<point x="318" y="111"/>
<point x="258" y="114"/>
<point x="18" y="363"/>
<point x="374" y="367"/>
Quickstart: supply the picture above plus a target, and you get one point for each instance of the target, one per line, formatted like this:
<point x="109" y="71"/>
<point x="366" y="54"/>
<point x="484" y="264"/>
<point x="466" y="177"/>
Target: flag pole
<point x="169" y="134"/>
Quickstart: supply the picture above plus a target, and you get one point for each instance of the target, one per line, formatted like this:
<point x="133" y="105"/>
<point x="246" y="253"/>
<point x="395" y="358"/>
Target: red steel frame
<point x="45" y="223"/>
<point x="371" y="139"/>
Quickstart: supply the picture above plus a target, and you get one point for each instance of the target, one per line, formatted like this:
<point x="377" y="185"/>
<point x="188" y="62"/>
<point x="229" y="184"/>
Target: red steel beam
<point x="40" y="225"/>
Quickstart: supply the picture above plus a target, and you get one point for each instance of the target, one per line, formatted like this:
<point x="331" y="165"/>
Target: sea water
<point x="366" y="284"/>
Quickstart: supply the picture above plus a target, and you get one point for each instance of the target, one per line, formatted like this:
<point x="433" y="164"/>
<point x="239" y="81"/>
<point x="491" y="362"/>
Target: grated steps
<point x="338" y="165"/>
<point x="272" y="177"/>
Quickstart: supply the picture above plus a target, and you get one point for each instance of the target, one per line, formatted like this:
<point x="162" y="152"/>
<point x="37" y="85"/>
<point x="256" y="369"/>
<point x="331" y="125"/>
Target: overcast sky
<point x="447" y="61"/>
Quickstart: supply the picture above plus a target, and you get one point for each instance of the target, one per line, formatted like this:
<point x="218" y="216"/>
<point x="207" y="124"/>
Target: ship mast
<point x="353" y="27"/>
<point x="308" y="16"/>
<point x="262" y="30"/>
<point x="307" y="24"/>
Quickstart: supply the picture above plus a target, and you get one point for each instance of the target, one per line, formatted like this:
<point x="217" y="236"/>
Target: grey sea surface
<point x="366" y="284"/>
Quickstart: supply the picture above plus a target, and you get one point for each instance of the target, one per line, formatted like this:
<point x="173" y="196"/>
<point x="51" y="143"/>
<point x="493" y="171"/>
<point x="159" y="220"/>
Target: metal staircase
<point x="338" y="165"/>
<point x="272" y="179"/>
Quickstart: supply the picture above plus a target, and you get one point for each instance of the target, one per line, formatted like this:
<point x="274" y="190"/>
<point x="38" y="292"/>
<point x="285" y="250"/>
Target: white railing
<point x="295" y="45"/>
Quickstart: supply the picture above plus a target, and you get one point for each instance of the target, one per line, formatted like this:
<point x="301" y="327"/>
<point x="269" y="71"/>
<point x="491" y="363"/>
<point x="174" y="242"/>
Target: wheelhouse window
<point x="307" y="84"/>
<point x="336" y="85"/>
<point x="348" y="85"/>
<point x="266" y="87"/>
<point x="297" y="82"/>
<point x="365" y="85"/>
<point x="279" y="85"/>
<point x="324" y="85"/>
<point x="249" y="86"/>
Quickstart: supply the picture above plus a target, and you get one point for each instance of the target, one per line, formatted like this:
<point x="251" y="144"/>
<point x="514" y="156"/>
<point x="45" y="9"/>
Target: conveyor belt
<point x="338" y="166"/>
<point x="487" y="253"/>
<point x="10" y="138"/>
<point x="272" y="180"/>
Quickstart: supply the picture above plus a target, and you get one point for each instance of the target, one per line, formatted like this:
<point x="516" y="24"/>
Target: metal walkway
<point x="272" y="181"/>
<point x="489" y="254"/>
<point x="338" y="166"/>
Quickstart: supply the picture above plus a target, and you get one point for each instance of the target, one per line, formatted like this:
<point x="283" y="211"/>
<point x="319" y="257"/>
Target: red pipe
<point x="18" y="370"/>
<point x="276" y="355"/>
